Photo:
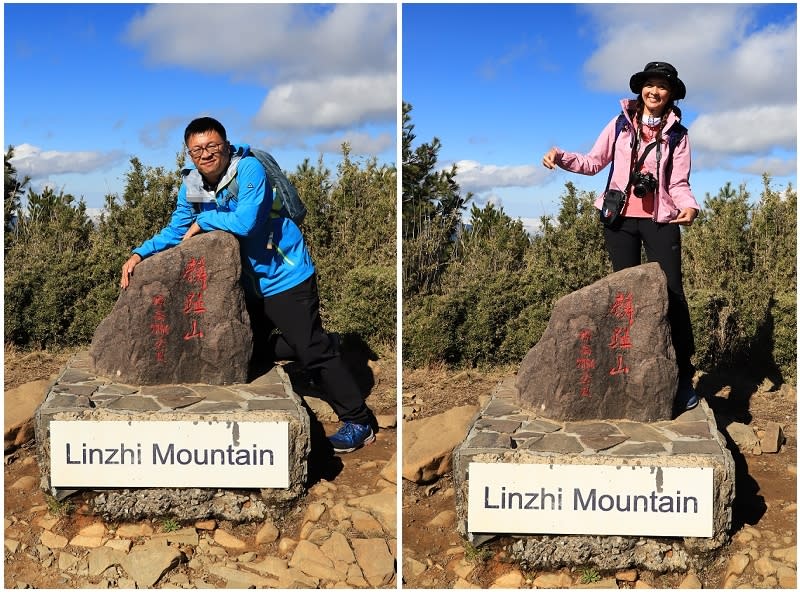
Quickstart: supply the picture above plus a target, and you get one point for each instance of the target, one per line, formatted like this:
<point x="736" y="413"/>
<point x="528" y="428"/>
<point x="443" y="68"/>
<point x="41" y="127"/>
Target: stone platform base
<point x="81" y="396"/>
<point x="502" y="432"/>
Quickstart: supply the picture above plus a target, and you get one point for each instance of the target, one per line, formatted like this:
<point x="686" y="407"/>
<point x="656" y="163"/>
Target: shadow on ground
<point x="728" y="395"/>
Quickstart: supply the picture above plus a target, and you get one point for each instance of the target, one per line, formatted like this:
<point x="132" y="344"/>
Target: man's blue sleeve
<point x="182" y="218"/>
<point x="252" y="204"/>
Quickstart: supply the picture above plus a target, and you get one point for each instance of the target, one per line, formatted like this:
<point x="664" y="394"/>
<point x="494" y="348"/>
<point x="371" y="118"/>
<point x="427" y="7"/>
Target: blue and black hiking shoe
<point x="351" y="436"/>
<point x="687" y="397"/>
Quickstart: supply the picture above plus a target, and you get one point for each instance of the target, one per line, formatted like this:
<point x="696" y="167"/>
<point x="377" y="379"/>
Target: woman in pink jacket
<point x="648" y="194"/>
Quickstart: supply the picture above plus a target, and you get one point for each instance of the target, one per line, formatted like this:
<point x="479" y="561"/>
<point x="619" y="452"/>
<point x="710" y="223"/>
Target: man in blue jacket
<point x="276" y="265"/>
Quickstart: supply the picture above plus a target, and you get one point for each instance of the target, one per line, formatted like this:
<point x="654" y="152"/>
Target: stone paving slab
<point x="80" y="395"/>
<point x="502" y="432"/>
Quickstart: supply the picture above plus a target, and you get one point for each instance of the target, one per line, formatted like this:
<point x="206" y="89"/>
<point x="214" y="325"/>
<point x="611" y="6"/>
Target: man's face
<point x="210" y="154"/>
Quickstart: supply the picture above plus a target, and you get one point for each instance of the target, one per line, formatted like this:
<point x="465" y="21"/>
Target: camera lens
<point x="639" y="190"/>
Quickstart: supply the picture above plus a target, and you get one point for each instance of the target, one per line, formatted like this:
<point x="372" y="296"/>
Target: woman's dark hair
<point x="202" y="125"/>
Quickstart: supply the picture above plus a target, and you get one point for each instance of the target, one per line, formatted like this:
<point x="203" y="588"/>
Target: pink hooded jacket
<point x="670" y="200"/>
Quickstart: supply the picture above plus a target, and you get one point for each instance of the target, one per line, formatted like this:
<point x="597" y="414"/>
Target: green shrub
<point x="495" y="293"/>
<point x="367" y="304"/>
<point x="525" y="330"/>
<point x="784" y="330"/>
<point x="430" y="330"/>
<point x="494" y="302"/>
<point x="351" y="234"/>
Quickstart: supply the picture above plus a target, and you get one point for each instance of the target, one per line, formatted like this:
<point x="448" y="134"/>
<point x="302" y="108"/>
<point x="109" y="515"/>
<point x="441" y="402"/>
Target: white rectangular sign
<point x="590" y="499"/>
<point x="85" y="454"/>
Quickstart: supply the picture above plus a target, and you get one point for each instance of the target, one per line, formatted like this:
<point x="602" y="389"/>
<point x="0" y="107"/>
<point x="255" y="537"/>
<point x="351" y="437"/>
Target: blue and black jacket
<point x="274" y="253"/>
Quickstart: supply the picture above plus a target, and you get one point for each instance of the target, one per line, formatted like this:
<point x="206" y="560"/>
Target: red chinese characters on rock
<point x="585" y="361"/>
<point x="159" y="328"/>
<point x="193" y="307"/>
<point x="624" y="310"/>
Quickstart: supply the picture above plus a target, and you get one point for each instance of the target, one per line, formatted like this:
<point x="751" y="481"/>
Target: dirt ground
<point x="357" y="471"/>
<point x="766" y="484"/>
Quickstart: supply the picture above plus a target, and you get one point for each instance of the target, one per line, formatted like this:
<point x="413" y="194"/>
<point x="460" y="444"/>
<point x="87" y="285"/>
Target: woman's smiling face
<point x="655" y="94"/>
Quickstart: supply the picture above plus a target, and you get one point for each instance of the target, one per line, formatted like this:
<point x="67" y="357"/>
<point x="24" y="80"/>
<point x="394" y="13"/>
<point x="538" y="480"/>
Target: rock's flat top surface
<point x="79" y="387"/>
<point x="503" y="424"/>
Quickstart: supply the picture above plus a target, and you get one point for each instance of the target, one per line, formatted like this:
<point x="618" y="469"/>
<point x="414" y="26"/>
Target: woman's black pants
<point x="662" y="244"/>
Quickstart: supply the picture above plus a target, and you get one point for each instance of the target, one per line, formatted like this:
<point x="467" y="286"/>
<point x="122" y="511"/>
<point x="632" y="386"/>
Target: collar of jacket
<point x="196" y="191"/>
<point x="629" y="106"/>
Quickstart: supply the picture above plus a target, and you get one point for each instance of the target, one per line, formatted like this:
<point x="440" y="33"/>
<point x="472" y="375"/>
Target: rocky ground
<point x="342" y="534"/>
<point x="763" y="550"/>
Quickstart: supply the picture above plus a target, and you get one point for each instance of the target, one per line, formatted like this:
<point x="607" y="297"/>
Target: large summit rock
<point x="182" y="319"/>
<point x="606" y="353"/>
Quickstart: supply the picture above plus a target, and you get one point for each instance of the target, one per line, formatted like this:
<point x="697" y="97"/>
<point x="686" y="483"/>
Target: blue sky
<point x="500" y="84"/>
<point x="87" y="86"/>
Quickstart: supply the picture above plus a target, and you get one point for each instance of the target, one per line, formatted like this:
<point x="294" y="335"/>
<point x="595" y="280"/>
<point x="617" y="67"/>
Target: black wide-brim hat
<point x="659" y="70"/>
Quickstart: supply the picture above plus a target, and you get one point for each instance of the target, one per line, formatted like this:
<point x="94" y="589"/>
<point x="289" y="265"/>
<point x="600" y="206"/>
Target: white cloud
<point x="158" y="134"/>
<point x="326" y="67"/>
<point x="476" y="177"/>
<point x="495" y="200"/>
<point x="740" y="75"/>
<point x="38" y="164"/>
<point x="723" y="61"/>
<point x="751" y="130"/>
<point x="532" y="225"/>
<point x="774" y="166"/>
<point x="360" y="143"/>
<point x="281" y="140"/>
<point x="330" y="104"/>
<point x="269" y="42"/>
<point x="481" y="200"/>
<point x="493" y="66"/>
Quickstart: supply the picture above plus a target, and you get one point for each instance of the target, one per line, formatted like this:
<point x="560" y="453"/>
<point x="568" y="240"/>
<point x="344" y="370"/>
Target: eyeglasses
<point x="212" y="148"/>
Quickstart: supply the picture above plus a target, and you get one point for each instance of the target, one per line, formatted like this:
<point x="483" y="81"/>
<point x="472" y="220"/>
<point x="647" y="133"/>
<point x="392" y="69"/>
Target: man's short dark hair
<point x="202" y="125"/>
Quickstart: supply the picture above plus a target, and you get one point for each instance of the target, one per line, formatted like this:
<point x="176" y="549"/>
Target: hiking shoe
<point x="351" y="436"/>
<point x="686" y="398"/>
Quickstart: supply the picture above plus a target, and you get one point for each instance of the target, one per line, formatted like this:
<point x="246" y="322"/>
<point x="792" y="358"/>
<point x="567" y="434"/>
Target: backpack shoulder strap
<point x="674" y="136"/>
<point x="676" y="133"/>
<point x="233" y="188"/>
<point x="619" y="125"/>
<point x="286" y="202"/>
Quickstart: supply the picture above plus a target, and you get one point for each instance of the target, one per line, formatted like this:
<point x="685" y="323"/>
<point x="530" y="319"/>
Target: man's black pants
<point x="662" y="244"/>
<point x="295" y="313"/>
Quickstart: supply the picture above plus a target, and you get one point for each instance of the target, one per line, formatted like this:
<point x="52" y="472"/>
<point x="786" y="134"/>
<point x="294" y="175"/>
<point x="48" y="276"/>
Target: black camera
<point x="643" y="183"/>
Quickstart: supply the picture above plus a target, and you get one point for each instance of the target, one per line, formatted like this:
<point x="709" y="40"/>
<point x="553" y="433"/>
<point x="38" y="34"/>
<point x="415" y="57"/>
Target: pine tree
<point x="432" y="210"/>
<point x="12" y="190"/>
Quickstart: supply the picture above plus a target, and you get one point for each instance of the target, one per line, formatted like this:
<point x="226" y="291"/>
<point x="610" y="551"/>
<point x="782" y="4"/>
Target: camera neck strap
<point x="636" y="164"/>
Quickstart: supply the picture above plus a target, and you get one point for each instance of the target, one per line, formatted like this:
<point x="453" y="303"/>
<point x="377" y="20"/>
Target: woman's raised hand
<point x="549" y="159"/>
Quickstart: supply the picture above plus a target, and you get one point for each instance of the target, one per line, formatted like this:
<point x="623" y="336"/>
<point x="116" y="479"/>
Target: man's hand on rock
<point x="193" y="229"/>
<point x="127" y="270"/>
